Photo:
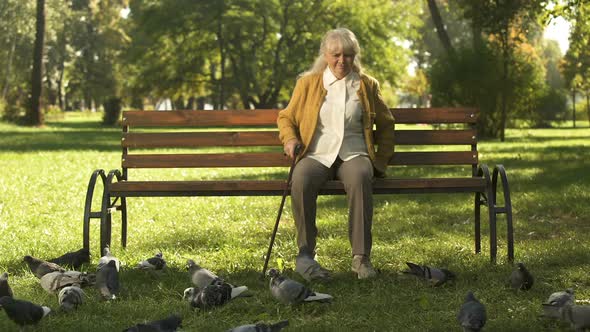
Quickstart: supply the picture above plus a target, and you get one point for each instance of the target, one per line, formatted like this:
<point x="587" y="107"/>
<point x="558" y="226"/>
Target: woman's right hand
<point x="290" y="146"/>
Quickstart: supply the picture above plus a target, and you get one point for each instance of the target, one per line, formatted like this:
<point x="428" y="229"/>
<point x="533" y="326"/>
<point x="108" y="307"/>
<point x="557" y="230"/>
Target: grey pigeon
<point x="40" y="267"/>
<point x="435" y="276"/>
<point x="521" y="278"/>
<point x="556" y="301"/>
<point x="54" y="281"/>
<point x="289" y="291"/>
<point x="261" y="327"/>
<point x="472" y="315"/>
<point x="107" y="280"/>
<point x="5" y="289"/>
<point x="212" y="295"/>
<point x="168" y="324"/>
<point x="74" y="259"/>
<point x="106" y="258"/>
<point x="577" y="315"/>
<point x="23" y="312"/>
<point x="201" y="277"/>
<point x="153" y="263"/>
<point x="70" y="297"/>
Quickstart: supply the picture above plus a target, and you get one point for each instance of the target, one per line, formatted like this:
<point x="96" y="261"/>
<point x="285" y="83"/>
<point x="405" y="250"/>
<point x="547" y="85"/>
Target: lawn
<point x="42" y="190"/>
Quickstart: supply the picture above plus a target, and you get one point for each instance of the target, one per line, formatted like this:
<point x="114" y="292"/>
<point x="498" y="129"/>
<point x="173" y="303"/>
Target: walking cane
<point x="285" y="192"/>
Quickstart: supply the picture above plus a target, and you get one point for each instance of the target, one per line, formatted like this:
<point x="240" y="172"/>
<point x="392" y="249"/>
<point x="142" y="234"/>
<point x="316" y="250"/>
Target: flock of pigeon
<point x="472" y="314"/>
<point x="210" y="291"/>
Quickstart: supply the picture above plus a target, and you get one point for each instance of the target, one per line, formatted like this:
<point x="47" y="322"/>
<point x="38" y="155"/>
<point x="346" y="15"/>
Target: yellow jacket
<point x="299" y="119"/>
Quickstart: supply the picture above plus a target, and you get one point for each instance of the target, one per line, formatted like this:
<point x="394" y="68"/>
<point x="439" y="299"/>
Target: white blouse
<point x="339" y="131"/>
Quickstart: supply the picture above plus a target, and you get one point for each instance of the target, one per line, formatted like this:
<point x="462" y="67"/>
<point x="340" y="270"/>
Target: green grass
<point x="43" y="182"/>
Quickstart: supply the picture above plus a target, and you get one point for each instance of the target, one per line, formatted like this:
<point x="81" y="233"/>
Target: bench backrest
<point x="147" y="130"/>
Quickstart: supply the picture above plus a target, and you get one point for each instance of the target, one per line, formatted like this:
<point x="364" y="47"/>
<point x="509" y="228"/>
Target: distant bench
<point x="257" y="128"/>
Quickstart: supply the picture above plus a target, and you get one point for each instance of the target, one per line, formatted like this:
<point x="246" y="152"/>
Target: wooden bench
<point x="235" y="129"/>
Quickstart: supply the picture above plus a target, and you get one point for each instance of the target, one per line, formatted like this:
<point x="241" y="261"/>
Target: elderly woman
<point x="331" y="116"/>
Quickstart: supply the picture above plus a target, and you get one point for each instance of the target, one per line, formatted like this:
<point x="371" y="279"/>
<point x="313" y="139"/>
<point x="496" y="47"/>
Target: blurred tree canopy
<point x="248" y="53"/>
<point x="576" y="63"/>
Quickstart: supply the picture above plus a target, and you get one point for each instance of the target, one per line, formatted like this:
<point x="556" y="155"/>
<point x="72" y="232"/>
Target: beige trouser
<point x="356" y="174"/>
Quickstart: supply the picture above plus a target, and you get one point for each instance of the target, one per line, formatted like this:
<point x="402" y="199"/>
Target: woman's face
<point x="339" y="61"/>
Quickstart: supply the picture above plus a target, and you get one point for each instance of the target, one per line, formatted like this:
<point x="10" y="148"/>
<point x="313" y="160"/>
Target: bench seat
<point x="276" y="187"/>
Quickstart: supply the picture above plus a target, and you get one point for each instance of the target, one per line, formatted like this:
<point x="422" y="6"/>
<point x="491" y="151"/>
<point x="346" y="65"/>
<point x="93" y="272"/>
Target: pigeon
<point x="212" y="295"/>
<point x="106" y="258"/>
<point x="168" y="324"/>
<point x="153" y="263"/>
<point x="70" y="297"/>
<point x="23" y="312"/>
<point x="577" y="315"/>
<point x="73" y="259"/>
<point x="201" y="277"/>
<point x="520" y="278"/>
<point x="107" y="280"/>
<point x="472" y="315"/>
<point x="261" y="327"/>
<point x="288" y="291"/>
<point x="434" y="275"/>
<point x="5" y="289"/>
<point x="40" y="267"/>
<point x="556" y="301"/>
<point x="54" y="281"/>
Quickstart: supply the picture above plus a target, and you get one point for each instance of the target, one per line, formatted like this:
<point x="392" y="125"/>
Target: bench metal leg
<point x="493" y="229"/>
<point x="105" y="221"/>
<point x="88" y="213"/>
<point x="124" y="222"/>
<point x="506" y="209"/>
<point x="486" y="198"/>
<point x="477" y="235"/>
<point x="108" y="207"/>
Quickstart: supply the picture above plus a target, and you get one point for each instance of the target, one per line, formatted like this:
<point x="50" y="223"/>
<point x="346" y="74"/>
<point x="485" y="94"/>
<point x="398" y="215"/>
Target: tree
<point x="507" y="22"/>
<point x="576" y="63"/>
<point x="35" y="115"/>
<point x="440" y="28"/>
<point x="97" y="45"/>
<point x="252" y="51"/>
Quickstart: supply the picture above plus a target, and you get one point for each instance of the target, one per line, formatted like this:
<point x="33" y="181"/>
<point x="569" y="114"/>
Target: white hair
<point x="336" y="39"/>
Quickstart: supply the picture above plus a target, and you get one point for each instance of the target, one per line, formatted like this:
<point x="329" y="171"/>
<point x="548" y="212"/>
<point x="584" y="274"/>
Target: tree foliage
<point x="253" y="50"/>
<point x="500" y="64"/>
<point x="248" y="53"/>
<point x="576" y="63"/>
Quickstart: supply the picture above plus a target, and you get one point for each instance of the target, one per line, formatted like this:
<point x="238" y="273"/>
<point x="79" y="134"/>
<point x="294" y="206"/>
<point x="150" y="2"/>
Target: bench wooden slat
<point x="270" y="138"/>
<point x="268" y="117"/>
<point x="435" y="137"/>
<point x="435" y="115"/>
<point x="276" y="187"/>
<point x="434" y="158"/>
<point x="272" y="159"/>
<point x="201" y="118"/>
<point x="201" y="139"/>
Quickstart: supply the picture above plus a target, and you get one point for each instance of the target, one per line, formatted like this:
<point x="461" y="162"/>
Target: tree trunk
<point x="588" y="104"/>
<point x="440" y="28"/>
<point x="221" y="45"/>
<point x="574" y="106"/>
<point x="9" y="67"/>
<point x="50" y="96"/>
<point x="190" y="104"/>
<point x="61" y="69"/>
<point x="35" y="116"/>
<point x="504" y="93"/>
<point x="60" y="80"/>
